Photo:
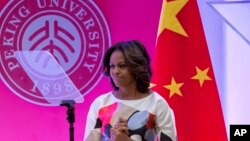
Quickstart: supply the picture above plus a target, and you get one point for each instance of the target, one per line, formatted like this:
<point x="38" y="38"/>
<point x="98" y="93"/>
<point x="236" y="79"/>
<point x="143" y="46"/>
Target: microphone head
<point x="68" y="103"/>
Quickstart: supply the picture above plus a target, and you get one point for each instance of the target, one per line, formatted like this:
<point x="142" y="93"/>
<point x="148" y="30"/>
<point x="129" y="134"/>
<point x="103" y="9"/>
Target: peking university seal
<point x="49" y="49"/>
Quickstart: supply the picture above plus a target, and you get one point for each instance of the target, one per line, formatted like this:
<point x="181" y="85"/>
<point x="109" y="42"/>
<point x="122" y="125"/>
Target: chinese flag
<point x="183" y="73"/>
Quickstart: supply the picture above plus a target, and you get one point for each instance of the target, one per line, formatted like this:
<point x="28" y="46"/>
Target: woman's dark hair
<point x="137" y="60"/>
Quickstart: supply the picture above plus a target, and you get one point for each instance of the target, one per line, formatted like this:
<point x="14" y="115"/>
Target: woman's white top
<point x="148" y="118"/>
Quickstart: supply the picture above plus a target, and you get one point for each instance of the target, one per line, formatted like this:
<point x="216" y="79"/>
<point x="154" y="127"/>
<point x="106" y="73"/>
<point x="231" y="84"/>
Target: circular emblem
<point x="52" y="50"/>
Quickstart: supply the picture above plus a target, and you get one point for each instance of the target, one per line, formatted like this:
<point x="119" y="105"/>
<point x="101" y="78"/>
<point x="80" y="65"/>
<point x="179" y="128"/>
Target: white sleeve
<point x="92" y="133"/>
<point x="165" y="122"/>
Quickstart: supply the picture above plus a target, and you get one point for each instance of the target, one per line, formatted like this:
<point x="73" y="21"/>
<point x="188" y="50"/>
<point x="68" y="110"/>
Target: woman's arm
<point x="165" y="122"/>
<point x="92" y="131"/>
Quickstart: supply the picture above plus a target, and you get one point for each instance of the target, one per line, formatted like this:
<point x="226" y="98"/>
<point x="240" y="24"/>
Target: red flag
<point x="183" y="73"/>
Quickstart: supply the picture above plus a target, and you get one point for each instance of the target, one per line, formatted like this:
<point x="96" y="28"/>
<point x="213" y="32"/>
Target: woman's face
<point x="119" y="70"/>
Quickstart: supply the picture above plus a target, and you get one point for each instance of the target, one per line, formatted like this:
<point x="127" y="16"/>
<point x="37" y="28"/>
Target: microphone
<point x="71" y="115"/>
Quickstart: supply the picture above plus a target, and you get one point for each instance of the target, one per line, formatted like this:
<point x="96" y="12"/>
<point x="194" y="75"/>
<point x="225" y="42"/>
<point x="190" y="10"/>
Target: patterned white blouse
<point x="149" y="118"/>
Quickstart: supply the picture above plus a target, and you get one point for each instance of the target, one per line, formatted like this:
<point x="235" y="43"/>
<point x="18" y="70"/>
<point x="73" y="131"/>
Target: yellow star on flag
<point x="201" y="75"/>
<point x="174" y="88"/>
<point x="168" y="17"/>
<point x="152" y="85"/>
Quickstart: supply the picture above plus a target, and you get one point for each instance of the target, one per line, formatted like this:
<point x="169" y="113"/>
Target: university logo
<point x="50" y="49"/>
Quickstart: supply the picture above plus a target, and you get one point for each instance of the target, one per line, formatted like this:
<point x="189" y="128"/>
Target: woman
<point x="131" y="112"/>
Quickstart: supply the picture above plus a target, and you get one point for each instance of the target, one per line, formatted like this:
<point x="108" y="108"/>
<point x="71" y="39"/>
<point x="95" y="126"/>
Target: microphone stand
<point x="71" y="115"/>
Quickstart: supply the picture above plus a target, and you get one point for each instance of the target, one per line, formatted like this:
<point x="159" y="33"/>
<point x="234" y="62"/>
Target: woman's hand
<point x="120" y="131"/>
